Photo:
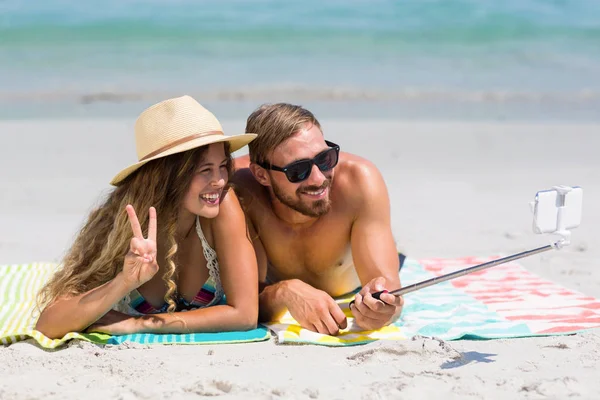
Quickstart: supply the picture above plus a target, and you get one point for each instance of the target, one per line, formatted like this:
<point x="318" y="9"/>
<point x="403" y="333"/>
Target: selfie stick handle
<point x="456" y="274"/>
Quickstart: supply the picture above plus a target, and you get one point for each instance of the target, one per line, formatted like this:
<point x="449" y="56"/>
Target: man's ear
<point x="260" y="174"/>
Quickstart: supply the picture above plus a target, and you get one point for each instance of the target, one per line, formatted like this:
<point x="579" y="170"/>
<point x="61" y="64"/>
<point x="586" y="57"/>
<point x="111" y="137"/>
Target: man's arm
<point x="374" y="251"/>
<point x="271" y="303"/>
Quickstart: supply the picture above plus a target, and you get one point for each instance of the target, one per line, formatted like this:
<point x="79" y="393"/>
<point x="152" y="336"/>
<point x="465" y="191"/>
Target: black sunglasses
<point x="300" y="170"/>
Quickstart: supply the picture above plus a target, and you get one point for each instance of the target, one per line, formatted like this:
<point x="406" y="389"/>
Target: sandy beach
<point x="457" y="189"/>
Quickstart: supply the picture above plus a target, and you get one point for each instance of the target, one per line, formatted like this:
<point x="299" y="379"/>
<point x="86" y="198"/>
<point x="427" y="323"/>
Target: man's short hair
<point x="274" y="124"/>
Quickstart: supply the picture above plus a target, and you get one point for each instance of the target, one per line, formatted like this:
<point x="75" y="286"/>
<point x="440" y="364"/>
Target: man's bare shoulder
<point x="243" y="180"/>
<point x="247" y="188"/>
<point x="358" y="176"/>
<point x="360" y="185"/>
<point x="242" y="176"/>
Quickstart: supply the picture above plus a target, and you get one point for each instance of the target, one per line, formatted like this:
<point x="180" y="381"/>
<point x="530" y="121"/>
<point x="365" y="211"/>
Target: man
<point x="320" y="220"/>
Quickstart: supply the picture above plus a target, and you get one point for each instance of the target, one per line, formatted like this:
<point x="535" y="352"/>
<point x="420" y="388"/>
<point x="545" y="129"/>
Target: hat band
<point x="180" y="141"/>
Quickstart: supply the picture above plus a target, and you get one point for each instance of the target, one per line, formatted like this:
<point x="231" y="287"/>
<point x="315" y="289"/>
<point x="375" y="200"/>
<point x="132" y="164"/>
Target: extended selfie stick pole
<point x="551" y="216"/>
<point x="462" y="272"/>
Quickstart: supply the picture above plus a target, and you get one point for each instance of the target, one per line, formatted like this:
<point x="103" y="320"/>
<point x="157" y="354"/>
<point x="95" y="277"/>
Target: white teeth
<point x="320" y="192"/>
<point x="210" y="196"/>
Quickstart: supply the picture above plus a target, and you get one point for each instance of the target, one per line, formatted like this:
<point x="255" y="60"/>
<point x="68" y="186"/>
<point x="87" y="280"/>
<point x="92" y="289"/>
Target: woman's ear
<point x="260" y="174"/>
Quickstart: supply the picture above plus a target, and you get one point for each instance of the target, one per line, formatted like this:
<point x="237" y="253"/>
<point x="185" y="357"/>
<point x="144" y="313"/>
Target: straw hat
<point x="174" y="126"/>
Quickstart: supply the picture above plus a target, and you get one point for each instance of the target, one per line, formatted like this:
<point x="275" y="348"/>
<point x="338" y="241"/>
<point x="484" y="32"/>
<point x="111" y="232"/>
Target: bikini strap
<point x="212" y="263"/>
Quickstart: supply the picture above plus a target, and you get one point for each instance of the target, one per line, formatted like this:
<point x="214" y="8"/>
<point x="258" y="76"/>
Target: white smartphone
<point x="557" y="209"/>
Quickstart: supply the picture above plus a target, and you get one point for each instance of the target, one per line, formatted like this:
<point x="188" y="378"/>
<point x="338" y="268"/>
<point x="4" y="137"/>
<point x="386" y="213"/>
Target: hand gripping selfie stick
<point x="555" y="211"/>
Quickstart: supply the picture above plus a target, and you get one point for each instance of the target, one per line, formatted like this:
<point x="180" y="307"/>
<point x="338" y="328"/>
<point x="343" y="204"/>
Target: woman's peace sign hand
<point x="140" y="262"/>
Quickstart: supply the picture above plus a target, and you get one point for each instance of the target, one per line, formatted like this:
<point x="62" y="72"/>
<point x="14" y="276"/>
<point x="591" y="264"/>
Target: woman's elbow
<point x="52" y="326"/>
<point x="249" y="325"/>
<point x="248" y="319"/>
<point x="48" y="330"/>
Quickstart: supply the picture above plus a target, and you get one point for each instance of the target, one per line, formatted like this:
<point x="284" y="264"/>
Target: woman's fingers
<point x="135" y="223"/>
<point x="142" y="249"/>
<point x="152" y="225"/>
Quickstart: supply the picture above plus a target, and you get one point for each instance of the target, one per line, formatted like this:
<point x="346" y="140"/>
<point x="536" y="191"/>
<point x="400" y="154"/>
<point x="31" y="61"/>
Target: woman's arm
<point x="75" y="314"/>
<point x="239" y="277"/>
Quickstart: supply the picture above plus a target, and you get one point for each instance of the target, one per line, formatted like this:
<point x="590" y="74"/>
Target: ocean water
<point x="414" y="58"/>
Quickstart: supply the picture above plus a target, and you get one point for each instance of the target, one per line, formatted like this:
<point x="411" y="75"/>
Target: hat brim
<point x="236" y="142"/>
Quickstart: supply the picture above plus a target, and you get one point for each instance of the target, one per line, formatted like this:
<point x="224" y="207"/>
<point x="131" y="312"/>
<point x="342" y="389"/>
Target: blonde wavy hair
<point x="98" y="252"/>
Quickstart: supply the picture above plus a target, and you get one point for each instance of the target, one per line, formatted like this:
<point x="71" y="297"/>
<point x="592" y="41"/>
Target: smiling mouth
<point x="211" y="198"/>
<point x="315" y="193"/>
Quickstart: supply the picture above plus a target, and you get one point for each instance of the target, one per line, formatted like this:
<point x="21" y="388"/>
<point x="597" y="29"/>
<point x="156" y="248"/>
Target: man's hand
<point x="372" y="314"/>
<point x="314" y="309"/>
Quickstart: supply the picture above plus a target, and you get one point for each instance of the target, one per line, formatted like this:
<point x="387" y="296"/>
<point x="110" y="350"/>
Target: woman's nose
<point x="219" y="179"/>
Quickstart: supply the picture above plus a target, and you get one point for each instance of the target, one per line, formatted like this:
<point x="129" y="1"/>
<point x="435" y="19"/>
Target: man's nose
<point x="316" y="177"/>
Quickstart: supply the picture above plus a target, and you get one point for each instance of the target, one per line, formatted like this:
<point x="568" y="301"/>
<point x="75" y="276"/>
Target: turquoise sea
<point x="415" y="58"/>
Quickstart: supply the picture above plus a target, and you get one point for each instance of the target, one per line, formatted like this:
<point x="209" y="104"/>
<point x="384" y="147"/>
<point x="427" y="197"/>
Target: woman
<point x="194" y="252"/>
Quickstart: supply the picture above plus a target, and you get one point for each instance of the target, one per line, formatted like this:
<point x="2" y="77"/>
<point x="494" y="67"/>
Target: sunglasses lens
<point x="299" y="171"/>
<point x="327" y="160"/>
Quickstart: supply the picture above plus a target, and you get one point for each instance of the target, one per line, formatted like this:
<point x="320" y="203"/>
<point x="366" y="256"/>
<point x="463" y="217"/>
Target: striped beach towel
<point x="19" y="285"/>
<point x="505" y="301"/>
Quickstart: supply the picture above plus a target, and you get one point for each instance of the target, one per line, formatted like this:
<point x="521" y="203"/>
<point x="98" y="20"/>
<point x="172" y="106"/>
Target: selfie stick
<point x="551" y="215"/>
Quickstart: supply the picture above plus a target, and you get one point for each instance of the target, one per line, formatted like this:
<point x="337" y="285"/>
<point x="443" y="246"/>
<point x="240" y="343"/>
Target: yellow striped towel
<point x="288" y="330"/>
